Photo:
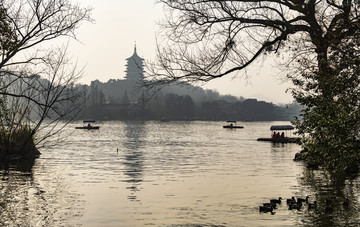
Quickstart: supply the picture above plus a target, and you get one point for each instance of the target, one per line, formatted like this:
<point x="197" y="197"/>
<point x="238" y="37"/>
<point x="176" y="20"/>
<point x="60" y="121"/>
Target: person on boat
<point x="231" y="125"/>
<point x="89" y="125"/>
<point x="273" y="135"/>
<point x="278" y="135"/>
<point x="282" y="135"/>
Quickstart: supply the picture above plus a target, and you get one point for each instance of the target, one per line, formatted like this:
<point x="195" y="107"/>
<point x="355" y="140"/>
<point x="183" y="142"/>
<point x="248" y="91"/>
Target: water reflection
<point x="24" y="201"/>
<point x="173" y="174"/>
<point x="134" y="158"/>
<point x="330" y="193"/>
<point x="278" y="145"/>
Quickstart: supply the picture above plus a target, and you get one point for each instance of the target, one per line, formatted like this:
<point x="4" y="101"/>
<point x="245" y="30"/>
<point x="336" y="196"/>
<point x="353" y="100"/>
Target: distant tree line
<point x="182" y="107"/>
<point x="114" y="100"/>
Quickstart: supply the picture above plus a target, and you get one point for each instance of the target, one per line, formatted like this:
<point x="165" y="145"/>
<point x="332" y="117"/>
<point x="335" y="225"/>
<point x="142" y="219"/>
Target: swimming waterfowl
<point x="266" y="209"/>
<point x="296" y="205"/>
<point x="312" y="205"/>
<point x="303" y="200"/>
<point x="276" y="201"/>
<point x="272" y="205"/>
<point x="292" y="200"/>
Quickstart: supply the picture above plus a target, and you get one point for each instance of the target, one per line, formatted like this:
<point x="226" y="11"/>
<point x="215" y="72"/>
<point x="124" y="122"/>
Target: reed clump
<point x="17" y="142"/>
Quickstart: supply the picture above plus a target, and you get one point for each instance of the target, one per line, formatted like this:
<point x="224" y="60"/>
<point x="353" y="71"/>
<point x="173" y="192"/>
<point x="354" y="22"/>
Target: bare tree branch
<point x="38" y="94"/>
<point x="206" y="39"/>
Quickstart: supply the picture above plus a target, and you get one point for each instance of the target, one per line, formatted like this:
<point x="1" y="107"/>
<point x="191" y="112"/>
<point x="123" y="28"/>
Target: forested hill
<point x="124" y="99"/>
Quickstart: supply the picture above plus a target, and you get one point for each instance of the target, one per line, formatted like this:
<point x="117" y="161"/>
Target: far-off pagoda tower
<point x="134" y="67"/>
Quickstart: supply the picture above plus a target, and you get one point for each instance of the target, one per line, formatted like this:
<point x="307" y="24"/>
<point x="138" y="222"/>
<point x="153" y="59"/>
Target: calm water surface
<point x="169" y="174"/>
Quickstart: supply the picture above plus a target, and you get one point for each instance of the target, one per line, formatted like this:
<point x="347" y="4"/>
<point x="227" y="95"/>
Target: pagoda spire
<point x="134" y="67"/>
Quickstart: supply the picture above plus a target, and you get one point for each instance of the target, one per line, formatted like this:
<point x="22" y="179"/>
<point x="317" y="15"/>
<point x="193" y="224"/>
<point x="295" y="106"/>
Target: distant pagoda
<point x="134" y="67"/>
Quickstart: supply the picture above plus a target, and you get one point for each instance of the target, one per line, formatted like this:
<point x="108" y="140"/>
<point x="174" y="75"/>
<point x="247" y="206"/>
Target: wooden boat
<point x="232" y="124"/>
<point x="281" y="138"/>
<point x="87" y="125"/>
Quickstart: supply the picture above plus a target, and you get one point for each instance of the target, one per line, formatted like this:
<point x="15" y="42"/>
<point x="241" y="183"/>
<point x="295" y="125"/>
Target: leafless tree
<point x="202" y="40"/>
<point x="318" y="39"/>
<point x="37" y="79"/>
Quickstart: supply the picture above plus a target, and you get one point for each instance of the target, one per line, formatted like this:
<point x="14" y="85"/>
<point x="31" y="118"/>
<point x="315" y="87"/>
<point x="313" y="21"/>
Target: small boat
<point x="87" y="125"/>
<point x="232" y="124"/>
<point x="281" y="138"/>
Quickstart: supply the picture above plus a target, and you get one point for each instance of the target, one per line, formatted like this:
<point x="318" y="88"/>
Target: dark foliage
<point x="330" y="122"/>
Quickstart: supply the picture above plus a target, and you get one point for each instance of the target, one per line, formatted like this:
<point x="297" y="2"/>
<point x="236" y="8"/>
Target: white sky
<point x="106" y="44"/>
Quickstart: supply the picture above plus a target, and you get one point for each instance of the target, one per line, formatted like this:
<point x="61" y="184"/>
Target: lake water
<point x="170" y="174"/>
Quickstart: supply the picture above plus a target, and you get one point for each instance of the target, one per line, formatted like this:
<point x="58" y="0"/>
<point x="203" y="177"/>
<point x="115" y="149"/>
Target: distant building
<point x="134" y="67"/>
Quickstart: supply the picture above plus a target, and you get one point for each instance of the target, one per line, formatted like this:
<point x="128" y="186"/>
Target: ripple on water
<point x="172" y="174"/>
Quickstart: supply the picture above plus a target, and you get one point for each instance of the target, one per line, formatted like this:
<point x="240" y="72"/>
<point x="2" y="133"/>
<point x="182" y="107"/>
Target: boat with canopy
<point x="283" y="137"/>
<point x="232" y="124"/>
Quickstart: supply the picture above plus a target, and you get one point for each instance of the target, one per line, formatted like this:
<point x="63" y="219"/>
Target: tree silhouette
<point x="36" y="81"/>
<point x="202" y="40"/>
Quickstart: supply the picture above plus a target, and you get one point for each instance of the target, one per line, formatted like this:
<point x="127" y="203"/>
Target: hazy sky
<point x="119" y="24"/>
